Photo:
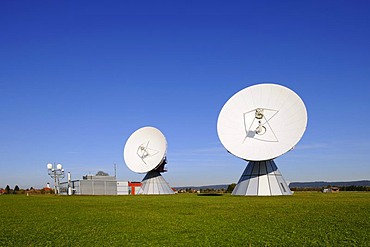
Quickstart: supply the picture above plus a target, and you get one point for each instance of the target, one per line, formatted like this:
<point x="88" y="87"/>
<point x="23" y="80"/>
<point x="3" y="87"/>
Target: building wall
<point x="96" y="187"/>
<point x="122" y="188"/>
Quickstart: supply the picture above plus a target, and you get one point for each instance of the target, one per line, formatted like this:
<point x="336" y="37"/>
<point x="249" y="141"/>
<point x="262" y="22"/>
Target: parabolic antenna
<point x="258" y="124"/>
<point x="262" y="122"/>
<point x="145" y="152"/>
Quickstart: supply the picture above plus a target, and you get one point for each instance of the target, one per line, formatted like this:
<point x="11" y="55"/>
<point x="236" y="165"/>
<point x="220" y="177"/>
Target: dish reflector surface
<point x="145" y="150"/>
<point x="262" y="122"/>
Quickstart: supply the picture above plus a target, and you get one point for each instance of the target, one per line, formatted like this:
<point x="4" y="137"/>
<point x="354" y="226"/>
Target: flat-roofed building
<point x="96" y="185"/>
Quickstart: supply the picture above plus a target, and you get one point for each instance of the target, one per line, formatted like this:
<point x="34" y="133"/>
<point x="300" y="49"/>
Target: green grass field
<point x="304" y="219"/>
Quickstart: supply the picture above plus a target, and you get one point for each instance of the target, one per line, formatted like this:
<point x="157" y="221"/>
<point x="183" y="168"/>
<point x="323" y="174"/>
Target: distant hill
<point x="321" y="184"/>
<point x="215" y="187"/>
<point x="318" y="184"/>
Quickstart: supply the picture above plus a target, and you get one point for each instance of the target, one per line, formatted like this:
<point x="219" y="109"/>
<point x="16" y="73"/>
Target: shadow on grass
<point x="210" y="194"/>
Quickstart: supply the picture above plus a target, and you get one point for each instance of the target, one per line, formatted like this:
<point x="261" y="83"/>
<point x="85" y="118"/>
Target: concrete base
<point x="261" y="178"/>
<point x="154" y="184"/>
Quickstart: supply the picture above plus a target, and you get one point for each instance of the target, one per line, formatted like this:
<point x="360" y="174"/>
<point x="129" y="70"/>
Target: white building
<point x="95" y="185"/>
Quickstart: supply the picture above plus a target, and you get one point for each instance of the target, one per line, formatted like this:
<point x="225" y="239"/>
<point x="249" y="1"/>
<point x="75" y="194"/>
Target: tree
<point x="230" y="188"/>
<point x="7" y="189"/>
<point x="101" y="173"/>
<point x="16" y="189"/>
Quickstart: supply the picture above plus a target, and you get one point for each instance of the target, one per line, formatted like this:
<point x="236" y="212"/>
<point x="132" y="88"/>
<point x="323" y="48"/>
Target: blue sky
<point x="77" y="78"/>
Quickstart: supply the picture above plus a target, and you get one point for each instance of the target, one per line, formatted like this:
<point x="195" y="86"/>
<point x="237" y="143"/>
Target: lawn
<point x="304" y="219"/>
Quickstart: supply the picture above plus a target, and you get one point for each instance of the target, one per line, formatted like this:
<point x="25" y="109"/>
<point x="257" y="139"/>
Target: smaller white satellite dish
<point x="145" y="150"/>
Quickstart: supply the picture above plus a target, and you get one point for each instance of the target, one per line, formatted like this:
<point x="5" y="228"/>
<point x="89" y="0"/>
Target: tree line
<point x="341" y="188"/>
<point x="229" y="189"/>
<point x="31" y="190"/>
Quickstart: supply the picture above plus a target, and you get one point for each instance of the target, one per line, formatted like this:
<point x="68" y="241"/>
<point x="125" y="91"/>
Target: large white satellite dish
<point x="145" y="152"/>
<point x="258" y="124"/>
